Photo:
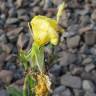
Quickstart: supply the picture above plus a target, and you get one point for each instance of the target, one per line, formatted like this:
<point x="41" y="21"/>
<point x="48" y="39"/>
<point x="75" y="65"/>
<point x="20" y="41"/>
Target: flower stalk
<point x="44" y="30"/>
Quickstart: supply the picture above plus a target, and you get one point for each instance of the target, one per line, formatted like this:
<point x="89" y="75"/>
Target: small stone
<point x="89" y="67"/>
<point x="78" y="92"/>
<point x="94" y="3"/>
<point x="3" y="38"/>
<point x="86" y="75"/>
<point x="59" y="90"/>
<point x="88" y="86"/>
<point x="6" y="76"/>
<point x="36" y="9"/>
<point x="67" y="58"/>
<point x="55" y="69"/>
<point x="73" y="42"/>
<point x="3" y="93"/>
<point x="10" y="66"/>
<point x="12" y="35"/>
<point x="11" y="21"/>
<point x="2" y="59"/>
<point x="93" y="16"/>
<point x="77" y="71"/>
<point x="71" y="81"/>
<point x="90" y="38"/>
<point x="67" y="92"/>
<point x="19" y="82"/>
<point x="11" y="58"/>
<point x="85" y="50"/>
<point x="85" y="29"/>
<point x="19" y="3"/>
<point x="90" y="94"/>
<point x="87" y="60"/>
<point x="7" y="47"/>
<point x="93" y="51"/>
<point x="21" y="12"/>
<point x="57" y="2"/>
<point x="23" y="40"/>
<point x="24" y="18"/>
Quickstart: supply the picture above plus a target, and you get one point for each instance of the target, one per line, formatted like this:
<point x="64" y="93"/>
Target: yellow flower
<point x="44" y="30"/>
<point x="43" y="86"/>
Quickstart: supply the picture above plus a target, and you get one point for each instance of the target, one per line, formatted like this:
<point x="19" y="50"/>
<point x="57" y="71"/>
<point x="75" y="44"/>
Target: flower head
<point x="43" y="86"/>
<point x="44" y="30"/>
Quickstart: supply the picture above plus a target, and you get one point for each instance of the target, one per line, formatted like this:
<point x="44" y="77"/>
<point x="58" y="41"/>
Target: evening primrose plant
<point x="44" y="31"/>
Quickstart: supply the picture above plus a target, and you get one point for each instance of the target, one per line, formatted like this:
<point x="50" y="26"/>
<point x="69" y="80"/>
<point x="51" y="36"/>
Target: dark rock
<point x="18" y="74"/>
<point x="10" y="66"/>
<point x="90" y="38"/>
<point x="73" y="42"/>
<point x="56" y="70"/>
<point x="71" y="81"/>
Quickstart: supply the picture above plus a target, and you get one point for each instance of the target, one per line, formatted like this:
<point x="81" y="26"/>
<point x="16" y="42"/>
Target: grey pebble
<point x="71" y="81"/>
<point x="90" y="38"/>
<point x="73" y="42"/>
<point x="67" y="58"/>
<point x="88" y="86"/>
<point x="3" y="92"/>
<point x="59" y="89"/>
<point x="90" y="94"/>
<point x="89" y="67"/>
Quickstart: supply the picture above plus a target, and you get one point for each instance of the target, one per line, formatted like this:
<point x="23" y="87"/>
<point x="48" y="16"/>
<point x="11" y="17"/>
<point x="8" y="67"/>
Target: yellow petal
<point x="53" y="35"/>
<point x="41" y="39"/>
<point x="44" y="30"/>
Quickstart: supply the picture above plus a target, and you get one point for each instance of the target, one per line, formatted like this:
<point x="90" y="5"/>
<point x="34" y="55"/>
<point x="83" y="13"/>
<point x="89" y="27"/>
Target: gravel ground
<point x="72" y="67"/>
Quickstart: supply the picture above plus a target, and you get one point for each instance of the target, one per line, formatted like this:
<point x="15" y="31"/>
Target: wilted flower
<point x="45" y="30"/>
<point x="43" y="86"/>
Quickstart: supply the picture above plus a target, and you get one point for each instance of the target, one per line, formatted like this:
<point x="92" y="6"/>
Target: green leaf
<point x="29" y="84"/>
<point x="32" y="84"/>
<point x="23" y="59"/>
<point x="39" y="57"/>
<point x="14" y="91"/>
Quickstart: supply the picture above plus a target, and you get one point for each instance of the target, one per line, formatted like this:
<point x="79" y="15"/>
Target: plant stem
<point x="38" y="63"/>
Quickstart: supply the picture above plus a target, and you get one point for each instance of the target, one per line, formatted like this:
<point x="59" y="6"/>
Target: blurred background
<point x="71" y="65"/>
